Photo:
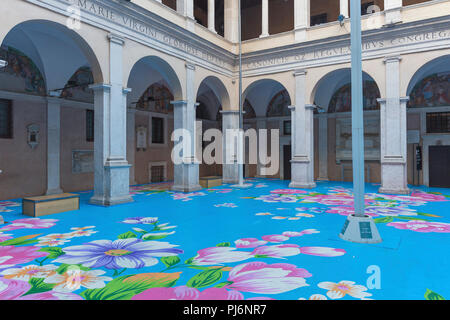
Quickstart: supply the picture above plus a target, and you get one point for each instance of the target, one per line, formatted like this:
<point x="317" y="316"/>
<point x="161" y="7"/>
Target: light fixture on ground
<point x="240" y="157"/>
<point x="358" y="227"/>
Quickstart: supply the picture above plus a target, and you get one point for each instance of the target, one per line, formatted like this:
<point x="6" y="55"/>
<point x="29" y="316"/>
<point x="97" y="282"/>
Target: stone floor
<point x="266" y="242"/>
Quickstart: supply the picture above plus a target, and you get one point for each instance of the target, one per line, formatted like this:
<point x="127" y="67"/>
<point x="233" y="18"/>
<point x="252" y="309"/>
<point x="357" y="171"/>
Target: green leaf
<point x="150" y="236"/>
<point x="411" y="218"/>
<point x="126" y="287"/>
<point x="20" y="241"/>
<point x="190" y="260"/>
<point x="63" y="268"/>
<point x="427" y="215"/>
<point x="38" y="285"/>
<point x="383" y="220"/>
<point x="223" y="244"/>
<point x="205" y="278"/>
<point x="431" y="295"/>
<point x="54" y="252"/>
<point x="127" y="235"/>
<point x="261" y="256"/>
<point x="140" y="230"/>
<point x="223" y="284"/>
<point x="170" y="261"/>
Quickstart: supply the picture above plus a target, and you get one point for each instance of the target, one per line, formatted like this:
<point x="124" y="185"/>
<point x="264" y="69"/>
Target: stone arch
<point x="218" y="88"/>
<point x="152" y="69"/>
<point x="44" y="41"/>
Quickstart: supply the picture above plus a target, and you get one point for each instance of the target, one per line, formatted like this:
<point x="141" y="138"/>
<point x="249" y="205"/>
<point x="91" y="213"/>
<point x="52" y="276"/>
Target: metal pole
<point x="357" y="108"/>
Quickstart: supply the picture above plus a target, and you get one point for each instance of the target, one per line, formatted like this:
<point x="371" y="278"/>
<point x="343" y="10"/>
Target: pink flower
<point x="51" y="295"/>
<point x="287" y="191"/>
<point x="30" y="223"/>
<point x="275" y="238"/>
<point x="4" y="236"/>
<point x="10" y="255"/>
<point x="422" y="226"/>
<point x="186" y="293"/>
<point x="249" y="243"/>
<point x="427" y="196"/>
<point x="260" y="277"/>
<point x="346" y="210"/>
<point x="292" y="234"/>
<point x="219" y="255"/>
<point x="322" y="251"/>
<point x="278" y="251"/>
<point x="11" y="289"/>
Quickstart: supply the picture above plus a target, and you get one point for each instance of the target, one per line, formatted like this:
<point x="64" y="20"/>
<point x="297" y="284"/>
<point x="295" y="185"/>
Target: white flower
<point x="340" y="289"/>
<point x="75" y="278"/>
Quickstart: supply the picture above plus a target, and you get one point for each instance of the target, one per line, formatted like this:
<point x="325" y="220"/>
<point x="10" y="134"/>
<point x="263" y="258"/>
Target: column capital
<point x="100" y="86"/>
<point x="190" y="65"/>
<point x="126" y="91"/>
<point x="300" y="72"/>
<point x="229" y="111"/>
<point x="310" y="106"/>
<point x="116" y="39"/>
<point x="393" y="58"/>
<point x="292" y="108"/>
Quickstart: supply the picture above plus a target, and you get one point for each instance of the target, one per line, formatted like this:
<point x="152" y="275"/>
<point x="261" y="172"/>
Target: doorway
<point x="287" y="154"/>
<point x="439" y="166"/>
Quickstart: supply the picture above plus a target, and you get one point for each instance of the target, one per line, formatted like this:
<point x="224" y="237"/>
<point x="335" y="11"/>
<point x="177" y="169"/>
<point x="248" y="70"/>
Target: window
<point x="319" y="19"/>
<point x="89" y="125"/>
<point x="6" y="120"/>
<point x="287" y="128"/>
<point x="157" y="130"/>
<point x="365" y="8"/>
<point x="438" y="122"/>
<point x="157" y="173"/>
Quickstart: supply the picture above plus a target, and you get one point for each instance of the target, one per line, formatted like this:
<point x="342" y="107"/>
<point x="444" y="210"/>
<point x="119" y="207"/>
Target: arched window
<point x="279" y="105"/>
<point x="341" y="100"/>
<point x="20" y="66"/>
<point x="156" y="98"/>
<point x="432" y="91"/>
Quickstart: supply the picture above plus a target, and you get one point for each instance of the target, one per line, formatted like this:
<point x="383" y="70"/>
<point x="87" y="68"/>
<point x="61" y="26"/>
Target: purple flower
<point x="141" y="220"/>
<point x="122" y="253"/>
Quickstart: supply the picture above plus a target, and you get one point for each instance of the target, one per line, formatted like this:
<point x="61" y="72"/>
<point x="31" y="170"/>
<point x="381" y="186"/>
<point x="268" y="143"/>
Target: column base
<point x="300" y="34"/>
<point x="53" y="191"/>
<point x="360" y="230"/>
<point x="186" y="188"/>
<point x="264" y="35"/>
<point x="394" y="191"/>
<point x="322" y="179"/>
<point x="301" y="185"/>
<point x="106" y="201"/>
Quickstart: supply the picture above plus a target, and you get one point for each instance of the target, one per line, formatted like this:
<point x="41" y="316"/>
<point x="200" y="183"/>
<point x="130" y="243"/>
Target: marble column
<point x="211" y="16"/>
<point x="323" y="147"/>
<point x="343" y="8"/>
<point x="231" y="18"/>
<point x="131" y="142"/>
<point x="186" y="8"/>
<point x="392" y="11"/>
<point x="53" y="145"/>
<point x="230" y="129"/>
<point x="186" y="173"/>
<point x="111" y="169"/>
<point x="301" y="19"/>
<point x="393" y="132"/>
<point x="302" y="163"/>
<point x="264" y="18"/>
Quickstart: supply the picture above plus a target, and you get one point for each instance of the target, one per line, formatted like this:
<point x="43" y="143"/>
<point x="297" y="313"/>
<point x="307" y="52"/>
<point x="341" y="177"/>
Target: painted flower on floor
<point x="82" y="231"/>
<point x="29" y="223"/>
<point x="74" y="279"/>
<point x="311" y="209"/>
<point x="186" y="196"/>
<point x="277" y="198"/>
<point x="277" y="251"/>
<point x="187" y="293"/>
<point x="4" y="205"/>
<point x="54" y="239"/>
<point x="315" y="297"/>
<point x="288" y="191"/>
<point x="260" y="277"/>
<point x="344" y="287"/>
<point x="28" y="272"/>
<point x="430" y="197"/>
<point x="249" y="243"/>
<point x="141" y="220"/>
<point x="292" y="234"/>
<point x="5" y="236"/>
<point x="275" y="238"/>
<point x="264" y="214"/>
<point x="422" y="226"/>
<point x="10" y="255"/>
<point x="220" y="255"/>
<point x="226" y="205"/>
<point x="11" y="289"/>
<point x="122" y="253"/>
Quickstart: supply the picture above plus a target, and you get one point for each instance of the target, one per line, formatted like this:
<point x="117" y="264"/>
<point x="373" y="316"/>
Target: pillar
<point x="323" y="147"/>
<point x="186" y="8"/>
<point x="343" y="8"/>
<point x="111" y="169"/>
<point x="211" y="16"/>
<point x="393" y="132"/>
<point x="302" y="163"/>
<point x="392" y="11"/>
<point x="186" y="173"/>
<point x="53" y="145"/>
<point x="264" y="18"/>
<point x="231" y="19"/>
<point x="131" y="142"/>
<point x="301" y="19"/>
<point x="230" y="127"/>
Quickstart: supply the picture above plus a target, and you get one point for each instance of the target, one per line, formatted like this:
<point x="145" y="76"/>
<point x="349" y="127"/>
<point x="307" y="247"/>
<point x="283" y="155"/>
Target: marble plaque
<point x="82" y="161"/>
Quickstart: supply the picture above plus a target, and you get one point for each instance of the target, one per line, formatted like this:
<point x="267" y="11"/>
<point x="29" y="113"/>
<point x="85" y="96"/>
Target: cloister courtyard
<point x="265" y="242"/>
